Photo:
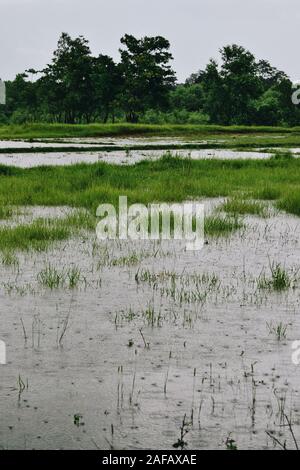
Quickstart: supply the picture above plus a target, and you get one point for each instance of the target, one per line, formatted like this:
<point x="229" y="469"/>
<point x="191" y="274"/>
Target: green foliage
<point x="147" y="74"/>
<point x="244" y="91"/>
<point x="79" y="88"/>
<point x="179" y="116"/>
<point x="233" y="136"/>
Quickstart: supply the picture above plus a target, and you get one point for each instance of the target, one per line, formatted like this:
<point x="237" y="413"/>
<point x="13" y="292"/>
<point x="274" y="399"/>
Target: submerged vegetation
<point x="280" y="279"/>
<point x="218" y="226"/>
<point x="40" y="233"/>
<point x="53" y="278"/>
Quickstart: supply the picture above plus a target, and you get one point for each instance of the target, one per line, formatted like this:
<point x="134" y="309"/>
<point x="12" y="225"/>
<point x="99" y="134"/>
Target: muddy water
<point x="100" y="141"/>
<point x="210" y="356"/>
<point x="121" y="157"/>
<point x="29" y="160"/>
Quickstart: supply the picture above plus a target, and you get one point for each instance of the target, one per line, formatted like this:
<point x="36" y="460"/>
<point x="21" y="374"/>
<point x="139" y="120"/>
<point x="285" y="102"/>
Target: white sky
<point x="29" y="29"/>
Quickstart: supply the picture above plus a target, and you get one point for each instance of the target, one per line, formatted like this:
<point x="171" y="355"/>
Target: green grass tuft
<point x="279" y="280"/>
<point x="237" y="206"/>
<point x="216" y="226"/>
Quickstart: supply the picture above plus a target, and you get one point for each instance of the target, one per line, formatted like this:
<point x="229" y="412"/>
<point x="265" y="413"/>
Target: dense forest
<point x="77" y="87"/>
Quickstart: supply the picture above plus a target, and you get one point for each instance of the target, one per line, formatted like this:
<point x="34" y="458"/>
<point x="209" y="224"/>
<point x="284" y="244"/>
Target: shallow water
<point x="29" y="160"/>
<point x="99" y="142"/>
<point x="226" y="372"/>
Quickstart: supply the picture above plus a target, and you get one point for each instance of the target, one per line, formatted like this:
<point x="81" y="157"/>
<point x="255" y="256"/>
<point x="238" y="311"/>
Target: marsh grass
<point x="50" y="277"/>
<point x="74" y="277"/>
<point x="86" y="186"/>
<point x="237" y="206"/>
<point x="129" y="260"/>
<point x="290" y="202"/>
<point x="90" y="185"/>
<point x="216" y="226"/>
<point x="14" y="288"/>
<point x="37" y="235"/>
<point x="181" y="288"/>
<point x="152" y="316"/>
<point x="53" y="278"/>
<point x="267" y="193"/>
<point x="5" y="212"/>
<point x="41" y="233"/>
<point x="279" y="330"/>
<point x="280" y="279"/>
<point x="43" y="130"/>
<point x="9" y="259"/>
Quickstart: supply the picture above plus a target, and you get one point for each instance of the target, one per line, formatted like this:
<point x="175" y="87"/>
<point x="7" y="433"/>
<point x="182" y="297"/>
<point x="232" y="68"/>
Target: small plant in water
<point x="10" y="259"/>
<point x="279" y="281"/>
<point x="78" y="420"/>
<point x="278" y="330"/>
<point x="184" y="430"/>
<point x="50" y="277"/>
<point x="280" y="278"/>
<point x="230" y="443"/>
<point x="73" y="277"/>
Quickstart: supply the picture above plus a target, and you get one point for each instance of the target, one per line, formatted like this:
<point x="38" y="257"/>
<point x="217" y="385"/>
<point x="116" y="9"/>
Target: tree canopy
<point x="76" y="87"/>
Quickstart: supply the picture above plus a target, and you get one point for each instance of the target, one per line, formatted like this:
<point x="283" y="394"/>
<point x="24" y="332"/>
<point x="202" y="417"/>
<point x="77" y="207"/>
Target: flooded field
<point x="130" y="157"/>
<point x="101" y="142"/>
<point x="120" y="345"/>
<point x="132" y="345"/>
<point x="120" y="151"/>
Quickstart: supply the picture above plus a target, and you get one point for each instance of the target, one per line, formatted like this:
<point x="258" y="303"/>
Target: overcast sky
<point x="29" y="29"/>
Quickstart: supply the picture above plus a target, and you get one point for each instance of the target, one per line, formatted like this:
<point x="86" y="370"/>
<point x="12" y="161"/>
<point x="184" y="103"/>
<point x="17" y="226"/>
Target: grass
<point x="278" y="330"/>
<point x="291" y="202"/>
<point x="214" y="136"/>
<point x="37" y="235"/>
<point x="279" y="281"/>
<point x="9" y="259"/>
<point x="52" y="278"/>
<point x="86" y="186"/>
<point x="180" y="288"/>
<point x="44" y="130"/>
<point x="236" y="206"/>
<point x="5" y="212"/>
<point x="41" y="233"/>
<point x="215" y="226"/>
<point x="74" y="277"/>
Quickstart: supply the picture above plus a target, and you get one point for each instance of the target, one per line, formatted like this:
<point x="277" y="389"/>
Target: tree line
<point x="76" y="87"/>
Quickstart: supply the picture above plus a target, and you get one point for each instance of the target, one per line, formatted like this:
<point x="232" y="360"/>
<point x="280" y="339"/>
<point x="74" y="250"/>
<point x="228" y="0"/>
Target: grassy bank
<point x="168" y="179"/>
<point x="34" y="131"/>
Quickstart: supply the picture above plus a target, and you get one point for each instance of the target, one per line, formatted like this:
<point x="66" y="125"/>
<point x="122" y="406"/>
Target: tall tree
<point x="239" y="73"/>
<point x="107" y="81"/>
<point x="67" y="80"/>
<point x="147" y="75"/>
